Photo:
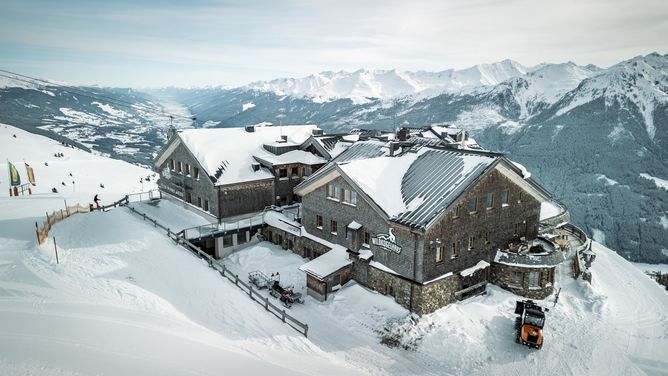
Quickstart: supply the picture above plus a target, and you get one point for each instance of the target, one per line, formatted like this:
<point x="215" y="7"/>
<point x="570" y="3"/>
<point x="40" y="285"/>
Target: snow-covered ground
<point x="126" y="300"/>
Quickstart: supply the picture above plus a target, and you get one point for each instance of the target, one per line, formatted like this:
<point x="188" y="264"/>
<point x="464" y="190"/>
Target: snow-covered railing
<point x="248" y="289"/>
<point x="586" y="244"/>
<point x="55" y="217"/>
<point x="223" y="227"/>
<point x="151" y="195"/>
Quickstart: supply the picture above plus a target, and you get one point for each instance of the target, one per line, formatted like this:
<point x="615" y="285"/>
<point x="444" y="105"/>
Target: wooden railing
<point x="248" y="289"/>
<point x="55" y="217"/>
<point x="578" y="268"/>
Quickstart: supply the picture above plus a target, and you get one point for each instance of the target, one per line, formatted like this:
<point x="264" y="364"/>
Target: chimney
<point x="393" y="148"/>
<point x="317" y="132"/>
<point x="402" y="135"/>
<point x="255" y="166"/>
<point x="250" y="128"/>
<point x="284" y="138"/>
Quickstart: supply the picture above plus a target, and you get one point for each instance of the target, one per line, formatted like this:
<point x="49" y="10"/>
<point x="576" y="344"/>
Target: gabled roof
<point x="227" y="154"/>
<point x="416" y="187"/>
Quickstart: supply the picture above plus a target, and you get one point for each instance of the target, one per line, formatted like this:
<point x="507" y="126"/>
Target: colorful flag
<point x="14" y="177"/>
<point x="30" y="173"/>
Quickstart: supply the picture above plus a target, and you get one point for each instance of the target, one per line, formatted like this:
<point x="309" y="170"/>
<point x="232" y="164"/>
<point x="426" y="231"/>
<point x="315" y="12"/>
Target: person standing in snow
<point x="96" y="201"/>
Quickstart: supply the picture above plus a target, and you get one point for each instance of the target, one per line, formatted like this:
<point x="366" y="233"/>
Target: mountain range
<point x="595" y="137"/>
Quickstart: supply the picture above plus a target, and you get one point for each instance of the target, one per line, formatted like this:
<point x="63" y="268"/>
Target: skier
<point x="96" y="201"/>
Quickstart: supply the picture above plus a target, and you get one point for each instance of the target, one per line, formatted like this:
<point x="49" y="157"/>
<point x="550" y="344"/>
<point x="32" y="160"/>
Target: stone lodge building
<point x="224" y="172"/>
<point x="421" y="223"/>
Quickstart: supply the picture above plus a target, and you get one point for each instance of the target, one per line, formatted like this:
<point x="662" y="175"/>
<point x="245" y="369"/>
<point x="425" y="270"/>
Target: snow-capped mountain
<point x="123" y="123"/>
<point x="363" y="85"/>
<point x="641" y="82"/>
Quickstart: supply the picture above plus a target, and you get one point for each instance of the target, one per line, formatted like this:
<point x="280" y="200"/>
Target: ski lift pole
<point x="55" y="248"/>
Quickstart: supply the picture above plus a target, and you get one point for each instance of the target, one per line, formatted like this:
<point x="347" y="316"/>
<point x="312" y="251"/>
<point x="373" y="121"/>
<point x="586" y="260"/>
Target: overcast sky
<point x="142" y="43"/>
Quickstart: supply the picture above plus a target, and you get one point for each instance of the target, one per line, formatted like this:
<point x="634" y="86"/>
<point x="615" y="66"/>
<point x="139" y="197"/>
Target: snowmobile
<point x="529" y="324"/>
<point x="285" y="294"/>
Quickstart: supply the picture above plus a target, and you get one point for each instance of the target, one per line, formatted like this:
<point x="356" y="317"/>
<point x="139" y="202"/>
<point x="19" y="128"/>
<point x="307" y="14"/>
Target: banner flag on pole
<point x="30" y="173"/>
<point x="14" y="177"/>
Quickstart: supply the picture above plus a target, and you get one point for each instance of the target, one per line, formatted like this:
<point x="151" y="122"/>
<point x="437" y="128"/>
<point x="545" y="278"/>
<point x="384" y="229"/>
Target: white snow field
<point x="126" y="300"/>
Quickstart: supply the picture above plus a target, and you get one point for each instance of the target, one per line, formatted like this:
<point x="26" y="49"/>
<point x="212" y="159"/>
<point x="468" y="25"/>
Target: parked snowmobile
<point x="529" y="324"/>
<point x="285" y="295"/>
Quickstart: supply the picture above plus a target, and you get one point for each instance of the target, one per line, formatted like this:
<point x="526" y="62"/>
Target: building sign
<point x="386" y="241"/>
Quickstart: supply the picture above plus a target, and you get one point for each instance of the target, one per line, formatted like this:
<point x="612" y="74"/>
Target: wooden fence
<point x="55" y="217"/>
<point x="247" y="288"/>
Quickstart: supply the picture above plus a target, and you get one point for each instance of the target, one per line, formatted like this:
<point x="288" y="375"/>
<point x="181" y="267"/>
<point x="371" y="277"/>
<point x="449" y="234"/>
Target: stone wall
<point x="317" y="203"/>
<point x="499" y="222"/>
<point x="418" y="298"/>
<point x="502" y="276"/>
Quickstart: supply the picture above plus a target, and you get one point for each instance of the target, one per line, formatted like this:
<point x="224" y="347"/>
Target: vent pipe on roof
<point x="402" y="135"/>
<point x="317" y="132"/>
<point x="250" y="128"/>
<point x="393" y="148"/>
<point x="284" y="138"/>
<point x="255" y="166"/>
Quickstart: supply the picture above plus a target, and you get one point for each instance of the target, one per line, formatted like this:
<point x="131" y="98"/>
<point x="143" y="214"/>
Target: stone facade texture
<point x="502" y="276"/>
<point x="492" y="228"/>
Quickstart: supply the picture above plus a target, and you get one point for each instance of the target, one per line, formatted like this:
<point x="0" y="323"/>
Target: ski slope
<point x="126" y="300"/>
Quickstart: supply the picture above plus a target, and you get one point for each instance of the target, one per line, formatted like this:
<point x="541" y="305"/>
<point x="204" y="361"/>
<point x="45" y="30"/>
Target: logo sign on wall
<point x="387" y="241"/>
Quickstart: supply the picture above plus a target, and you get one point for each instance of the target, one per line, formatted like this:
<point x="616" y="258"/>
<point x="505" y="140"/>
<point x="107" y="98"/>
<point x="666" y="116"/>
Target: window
<point x="187" y="169"/>
<point x="307" y="170"/>
<point x="294" y="172"/>
<point x="440" y="253"/>
<point x="516" y="278"/>
<point x="471" y="242"/>
<point x="350" y="197"/>
<point x="318" y="221"/>
<point x="199" y="202"/>
<point x="333" y="226"/>
<point x="456" y="211"/>
<point x="534" y="279"/>
<point x="206" y="205"/>
<point x="366" y="238"/>
<point x="282" y="172"/>
<point x="504" y="198"/>
<point x="487" y="237"/>
<point x="473" y="204"/>
<point x="455" y="249"/>
<point x="196" y="173"/>
<point x="490" y="200"/>
<point x="189" y="198"/>
<point x="333" y="192"/>
<point x="519" y="197"/>
<point x="337" y="192"/>
<point x="171" y="165"/>
<point x="178" y="167"/>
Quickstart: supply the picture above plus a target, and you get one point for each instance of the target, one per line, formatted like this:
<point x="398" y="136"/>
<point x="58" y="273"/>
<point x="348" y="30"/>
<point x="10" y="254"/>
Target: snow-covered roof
<point x="363" y="150"/>
<point x="294" y="156"/>
<point x="529" y="260"/>
<point x="354" y="225"/>
<point x="414" y="188"/>
<point x="482" y="264"/>
<point x="328" y="263"/>
<point x="233" y="149"/>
